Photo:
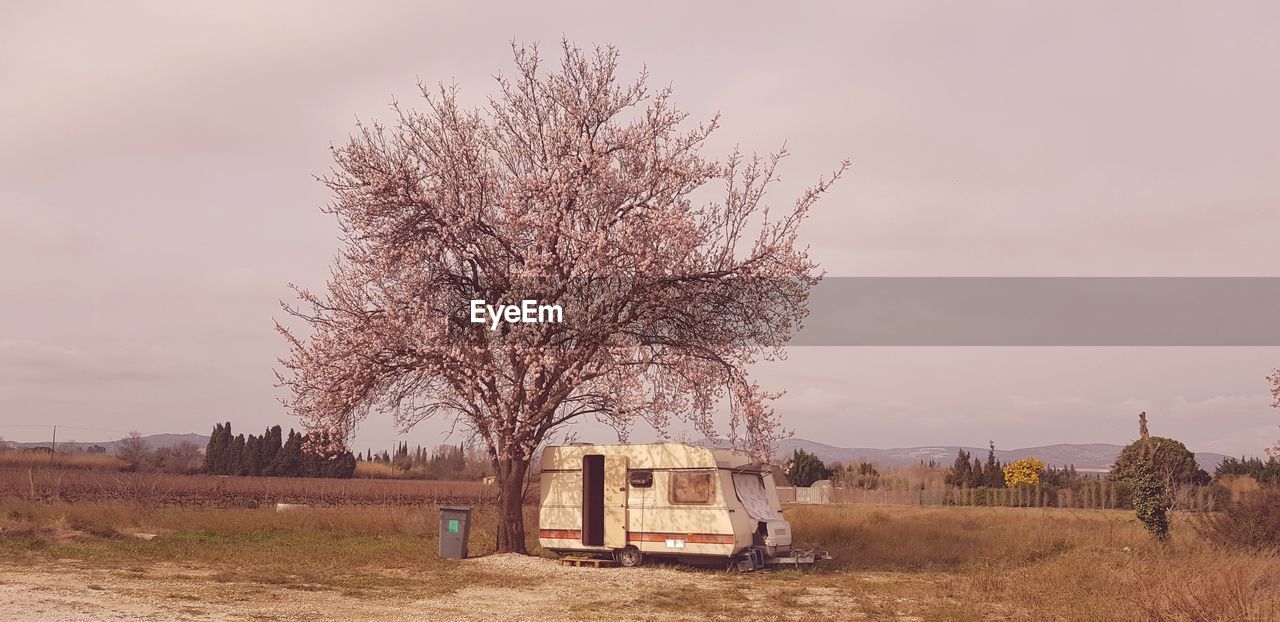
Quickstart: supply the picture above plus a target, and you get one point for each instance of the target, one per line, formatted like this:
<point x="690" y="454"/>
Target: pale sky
<point x="156" y="191"/>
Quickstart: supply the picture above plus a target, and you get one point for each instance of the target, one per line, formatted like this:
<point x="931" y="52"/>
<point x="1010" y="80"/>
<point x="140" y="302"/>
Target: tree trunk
<point x="510" y="474"/>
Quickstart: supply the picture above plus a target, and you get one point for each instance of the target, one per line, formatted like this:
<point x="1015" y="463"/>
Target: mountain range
<point x="1086" y="457"/>
<point x="155" y="441"/>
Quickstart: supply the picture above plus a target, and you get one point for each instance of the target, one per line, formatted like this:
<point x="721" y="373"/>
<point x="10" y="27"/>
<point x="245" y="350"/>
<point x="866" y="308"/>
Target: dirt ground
<point x="540" y="590"/>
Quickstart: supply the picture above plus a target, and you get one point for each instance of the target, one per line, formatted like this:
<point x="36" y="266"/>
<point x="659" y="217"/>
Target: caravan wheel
<point x="629" y="557"/>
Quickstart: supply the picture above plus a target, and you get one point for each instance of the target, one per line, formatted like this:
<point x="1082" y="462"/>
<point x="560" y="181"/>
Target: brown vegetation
<point x="1252" y="522"/>
<point x="56" y="485"/>
<point x="63" y="460"/>
<point x="1048" y="564"/>
<point x="944" y="563"/>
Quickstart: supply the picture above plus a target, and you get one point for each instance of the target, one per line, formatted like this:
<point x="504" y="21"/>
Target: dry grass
<point x="73" y="461"/>
<point x="890" y="563"/>
<point x="1203" y="584"/>
<point x="1046" y="564"/>
<point x="949" y="538"/>
<point x="380" y="470"/>
<point x="364" y="551"/>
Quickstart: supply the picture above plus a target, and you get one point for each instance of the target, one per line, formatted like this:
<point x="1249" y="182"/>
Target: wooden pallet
<point x="587" y="561"/>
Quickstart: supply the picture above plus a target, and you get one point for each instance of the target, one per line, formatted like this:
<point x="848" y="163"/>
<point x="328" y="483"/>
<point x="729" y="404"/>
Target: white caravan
<point x="662" y="499"/>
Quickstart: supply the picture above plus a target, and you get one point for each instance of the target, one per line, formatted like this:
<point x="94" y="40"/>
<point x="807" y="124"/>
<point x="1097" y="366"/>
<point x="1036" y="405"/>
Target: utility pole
<point x="53" y="447"/>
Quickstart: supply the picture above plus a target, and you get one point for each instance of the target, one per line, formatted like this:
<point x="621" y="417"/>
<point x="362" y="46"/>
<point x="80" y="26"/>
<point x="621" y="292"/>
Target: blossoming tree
<point x="570" y="186"/>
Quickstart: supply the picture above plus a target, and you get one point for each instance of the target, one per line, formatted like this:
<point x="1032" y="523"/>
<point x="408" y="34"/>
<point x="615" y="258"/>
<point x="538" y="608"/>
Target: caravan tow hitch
<point x="754" y="558"/>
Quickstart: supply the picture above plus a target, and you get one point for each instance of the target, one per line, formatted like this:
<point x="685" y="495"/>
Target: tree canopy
<point x="1264" y="472"/>
<point x="1170" y="461"/>
<point x="268" y="455"/>
<point x="1024" y="471"/>
<point x="574" y="187"/>
<point x="805" y="468"/>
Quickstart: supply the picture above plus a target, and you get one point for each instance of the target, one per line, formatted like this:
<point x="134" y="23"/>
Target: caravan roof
<point x="650" y="456"/>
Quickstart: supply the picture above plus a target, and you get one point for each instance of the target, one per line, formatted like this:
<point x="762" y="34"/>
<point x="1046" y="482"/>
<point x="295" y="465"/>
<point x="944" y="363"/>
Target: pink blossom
<point x="582" y="189"/>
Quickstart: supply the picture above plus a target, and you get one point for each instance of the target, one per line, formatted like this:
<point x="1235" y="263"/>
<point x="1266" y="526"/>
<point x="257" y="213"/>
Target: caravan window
<point x="754" y="496"/>
<point x="641" y="479"/>
<point x="692" y="486"/>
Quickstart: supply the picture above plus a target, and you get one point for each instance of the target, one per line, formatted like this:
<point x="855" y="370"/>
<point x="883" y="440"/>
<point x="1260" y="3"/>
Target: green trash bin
<point x="455" y="528"/>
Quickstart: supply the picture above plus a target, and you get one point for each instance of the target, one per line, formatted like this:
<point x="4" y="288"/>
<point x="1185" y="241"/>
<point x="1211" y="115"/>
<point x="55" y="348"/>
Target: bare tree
<point x="132" y="450"/>
<point x="570" y="187"/>
<point x="184" y="457"/>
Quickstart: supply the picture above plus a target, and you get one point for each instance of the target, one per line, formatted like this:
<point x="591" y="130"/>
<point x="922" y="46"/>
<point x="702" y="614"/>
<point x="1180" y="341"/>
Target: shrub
<point x="1025" y="471"/>
<point x="1151" y="500"/>
<point x="1252" y="522"/>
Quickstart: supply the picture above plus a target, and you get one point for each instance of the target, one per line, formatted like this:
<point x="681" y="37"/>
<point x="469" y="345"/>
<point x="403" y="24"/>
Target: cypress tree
<point x="220" y="458"/>
<point x="343" y="465"/>
<point x="269" y="450"/>
<point x="993" y="472"/>
<point x="310" y="461"/>
<point x="214" y="449"/>
<point x="460" y="461"/>
<point x="961" y="472"/>
<point x="250" y="460"/>
<point x="211" y="449"/>
<point x="288" y="462"/>
<point x="235" y="464"/>
<point x="226" y="461"/>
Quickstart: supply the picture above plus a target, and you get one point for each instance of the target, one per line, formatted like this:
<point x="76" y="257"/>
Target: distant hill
<point x="1092" y="456"/>
<point x="1089" y="457"/>
<point x="155" y="441"/>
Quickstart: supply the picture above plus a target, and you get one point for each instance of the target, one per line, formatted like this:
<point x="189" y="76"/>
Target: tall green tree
<point x="268" y="449"/>
<point x="961" y="471"/>
<point x="319" y="462"/>
<point x="235" y="454"/>
<point x="993" y="472"/>
<point x="251" y="458"/>
<point x="1263" y="472"/>
<point x="806" y="468"/>
<point x="213" y="452"/>
<point x="288" y="462"/>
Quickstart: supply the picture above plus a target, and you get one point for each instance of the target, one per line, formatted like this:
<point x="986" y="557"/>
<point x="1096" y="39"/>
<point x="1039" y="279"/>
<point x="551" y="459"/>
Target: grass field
<point x="893" y="563"/>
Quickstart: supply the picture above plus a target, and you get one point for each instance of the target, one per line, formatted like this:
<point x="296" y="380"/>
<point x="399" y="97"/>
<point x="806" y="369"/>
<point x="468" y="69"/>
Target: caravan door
<point x="615" y="501"/>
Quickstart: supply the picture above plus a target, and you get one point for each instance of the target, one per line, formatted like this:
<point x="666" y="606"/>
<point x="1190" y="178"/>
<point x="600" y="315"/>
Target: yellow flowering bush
<point x="1024" y="471"/>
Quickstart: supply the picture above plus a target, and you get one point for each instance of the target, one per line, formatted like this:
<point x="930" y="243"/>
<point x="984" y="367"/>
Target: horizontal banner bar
<point x="1043" y="311"/>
